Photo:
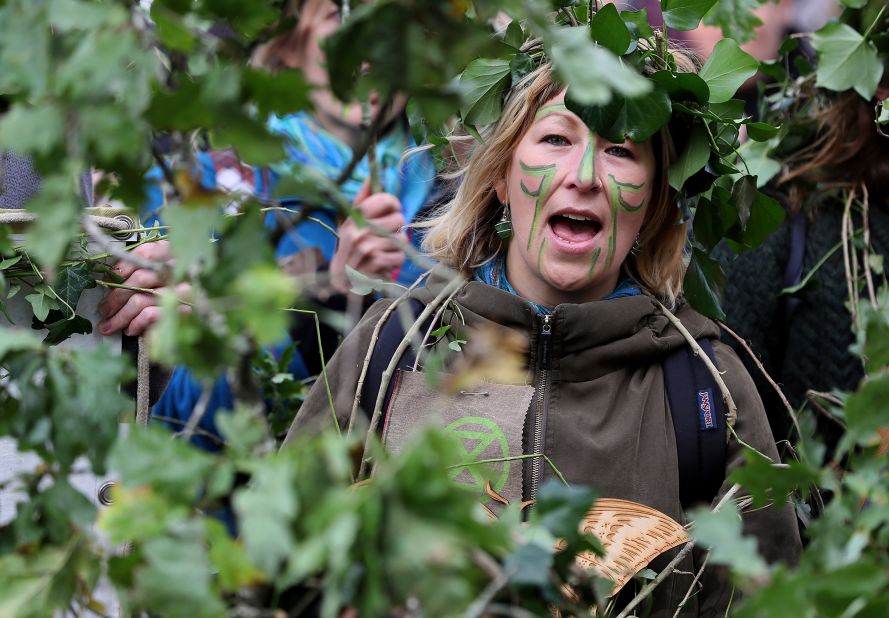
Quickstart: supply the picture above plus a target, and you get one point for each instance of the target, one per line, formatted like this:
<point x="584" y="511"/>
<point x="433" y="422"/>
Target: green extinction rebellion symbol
<point x="482" y="440"/>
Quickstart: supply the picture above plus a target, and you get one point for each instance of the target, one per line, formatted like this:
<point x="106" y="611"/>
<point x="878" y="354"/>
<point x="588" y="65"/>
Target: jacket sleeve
<point x="343" y="372"/>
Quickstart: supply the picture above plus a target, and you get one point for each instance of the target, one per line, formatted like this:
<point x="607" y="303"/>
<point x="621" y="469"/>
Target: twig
<point x="433" y="322"/>
<point x="569" y="14"/>
<point x="766" y="375"/>
<point x="369" y="137"/>
<point x="92" y="228"/>
<point x="814" y="396"/>
<point x="731" y="415"/>
<point x="373" y="343"/>
<point x="865" y="217"/>
<point x="850" y="282"/>
<point x="181" y="423"/>
<point x="132" y="288"/>
<point x="373" y="165"/>
<point x="650" y="586"/>
<point x="455" y="283"/>
<point x="692" y="586"/>
<point x="200" y="409"/>
<point x="323" y="365"/>
<point x="477" y="608"/>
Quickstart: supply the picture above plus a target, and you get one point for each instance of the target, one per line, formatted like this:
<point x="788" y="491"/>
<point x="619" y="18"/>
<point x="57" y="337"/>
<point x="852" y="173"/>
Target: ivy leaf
<point x="721" y="531"/>
<point x="704" y="281"/>
<point x="713" y="218"/>
<point x="609" y="30"/>
<point x="767" y="483"/>
<point x="743" y="194"/>
<point x="766" y="215"/>
<point x="15" y="340"/>
<point x="485" y="80"/>
<point x="637" y="22"/>
<point x="758" y="163"/>
<point x="60" y="330"/>
<point x="42" y="301"/>
<point x="265" y="510"/>
<point x="692" y="159"/>
<point x="72" y="281"/>
<point x="283" y="92"/>
<point x="726" y="69"/>
<point x="514" y="36"/>
<point x="229" y="558"/>
<point x="735" y="18"/>
<point x="33" y="130"/>
<point x="190" y="234"/>
<point x="761" y="131"/>
<point x="593" y="71"/>
<point x="682" y="86"/>
<point x="846" y="60"/>
<point x="685" y="14"/>
<point x="623" y="118"/>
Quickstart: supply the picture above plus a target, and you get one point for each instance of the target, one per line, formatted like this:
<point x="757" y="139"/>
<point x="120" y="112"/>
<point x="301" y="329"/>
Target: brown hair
<point x="462" y="235"/>
<point x="847" y="149"/>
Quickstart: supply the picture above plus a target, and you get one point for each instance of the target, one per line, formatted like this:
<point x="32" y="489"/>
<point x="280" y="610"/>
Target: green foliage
<point x="846" y="59"/>
<point x="726" y="69"/>
<point x="735" y="18"/>
<point x="685" y="14"/>
<point x="721" y="531"/>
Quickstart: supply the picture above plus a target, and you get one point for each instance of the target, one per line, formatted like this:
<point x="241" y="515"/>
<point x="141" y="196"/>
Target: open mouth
<point x="575" y="228"/>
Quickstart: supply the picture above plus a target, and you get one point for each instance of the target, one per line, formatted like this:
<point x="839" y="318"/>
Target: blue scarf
<point x="493" y="273"/>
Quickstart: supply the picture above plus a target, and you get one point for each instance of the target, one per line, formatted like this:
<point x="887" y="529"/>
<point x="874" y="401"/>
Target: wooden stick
<point x="765" y="374"/>
<point x="731" y="414"/>
<point x="455" y="283"/>
<point x="850" y="283"/>
<point x="865" y="217"/>
<point x="373" y="343"/>
<point x="433" y="322"/>
<point x="692" y="586"/>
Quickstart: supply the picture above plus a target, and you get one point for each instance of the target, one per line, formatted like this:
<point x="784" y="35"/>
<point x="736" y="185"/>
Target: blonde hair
<point x="461" y="234"/>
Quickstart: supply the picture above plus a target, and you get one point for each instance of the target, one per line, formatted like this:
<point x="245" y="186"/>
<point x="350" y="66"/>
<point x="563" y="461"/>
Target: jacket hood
<point x="594" y="338"/>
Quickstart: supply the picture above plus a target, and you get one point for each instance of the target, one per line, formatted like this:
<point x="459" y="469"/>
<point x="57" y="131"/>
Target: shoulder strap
<point x="793" y="273"/>
<point x="698" y="414"/>
<point x="390" y="336"/>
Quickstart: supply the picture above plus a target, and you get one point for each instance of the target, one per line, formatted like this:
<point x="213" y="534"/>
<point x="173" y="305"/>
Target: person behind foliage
<point x="570" y="241"/>
<point x="323" y="140"/>
<point x="804" y="340"/>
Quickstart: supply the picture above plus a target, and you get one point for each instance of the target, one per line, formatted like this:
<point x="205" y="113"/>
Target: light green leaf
<point x="264" y="291"/>
<point x="761" y="131"/>
<point x="592" y="72"/>
<point x="609" y="30"/>
<point x="846" y="60"/>
<point x="735" y="18"/>
<point x="191" y="229"/>
<point x="42" y="302"/>
<point x="32" y="130"/>
<point x="14" y="340"/>
<point x="485" y="80"/>
<point x="685" y="14"/>
<point x="721" y="531"/>
<point x="759" y="164"/>
<point x="692" y="159"/>
<point x="726" y="69"/>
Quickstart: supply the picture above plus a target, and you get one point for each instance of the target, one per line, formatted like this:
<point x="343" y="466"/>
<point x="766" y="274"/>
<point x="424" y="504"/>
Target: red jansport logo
<point x="705" y="410"/>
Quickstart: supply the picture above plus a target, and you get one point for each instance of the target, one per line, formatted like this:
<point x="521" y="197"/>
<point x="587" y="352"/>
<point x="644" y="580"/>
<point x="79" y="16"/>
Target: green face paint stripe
<point x="587" y="170"/>
<point x="540" y="253"/>
<point x="546" y="110"/>
<point x="617" y="204"/>
<point x="547" y="173"/>
<point x="593" y="262"/>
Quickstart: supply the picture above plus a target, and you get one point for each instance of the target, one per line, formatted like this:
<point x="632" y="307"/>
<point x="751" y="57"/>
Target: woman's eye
<point x="619" y="151"/>
<point x="555" y="140"/>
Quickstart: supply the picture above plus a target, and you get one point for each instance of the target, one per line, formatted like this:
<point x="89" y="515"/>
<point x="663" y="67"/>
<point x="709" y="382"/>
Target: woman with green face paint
<point x="595" y="243"/>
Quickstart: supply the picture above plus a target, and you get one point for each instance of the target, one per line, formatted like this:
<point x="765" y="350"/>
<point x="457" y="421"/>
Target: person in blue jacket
<point x="323" y="140"/>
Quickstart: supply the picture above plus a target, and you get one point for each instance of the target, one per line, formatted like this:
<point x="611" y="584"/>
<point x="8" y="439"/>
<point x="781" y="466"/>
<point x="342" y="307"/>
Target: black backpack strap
<point x="390" y="336"/>
<point x="698" y="414"/>
<point x="793" y="273"/>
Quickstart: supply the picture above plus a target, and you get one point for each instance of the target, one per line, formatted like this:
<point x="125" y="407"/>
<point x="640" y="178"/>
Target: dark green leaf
<point x="485" y="80"/>
<point x="514" y="35"/>
<point x="560" y="508"/>
<point x="692" y="159"/>
<point x="766" y="215"/>
<point x="172" y="32"/>
<point x="609" y="31"/>
<point x="704" y="281"/>
<point x="250" y="138"/>
<point x="638" y="21"/>
<point x="282" y="92"/>
<point x="520" y="66"/>
<point x="60" y="330"/>
<point x="726" y="69"/>
<point x="530" y="565"/>
<point x="685" y="14"/>
<point x="32" y="130"/>
<point x="761" y="131"/>
<point x="636" y="119"/>
<point x="713" y="218"/>
<point x="770" y="484"/>
<point x="682" y="86"/>
<point x="743" y="194"/>
<point x="72" y="281"/>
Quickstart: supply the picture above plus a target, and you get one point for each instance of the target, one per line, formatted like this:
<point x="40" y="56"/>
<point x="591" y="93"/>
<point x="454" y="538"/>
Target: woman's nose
<point x="585" y="178"/>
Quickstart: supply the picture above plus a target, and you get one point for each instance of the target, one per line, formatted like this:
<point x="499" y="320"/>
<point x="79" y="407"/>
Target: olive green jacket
<point x="606" y="417"/>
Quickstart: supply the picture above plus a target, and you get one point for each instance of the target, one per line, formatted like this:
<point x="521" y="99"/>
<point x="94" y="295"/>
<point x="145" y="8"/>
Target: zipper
<point x="544" y="354"/>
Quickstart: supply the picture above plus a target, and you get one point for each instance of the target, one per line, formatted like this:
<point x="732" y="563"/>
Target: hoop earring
<point x="637" y="246"/>
<point x="504" y="226"/>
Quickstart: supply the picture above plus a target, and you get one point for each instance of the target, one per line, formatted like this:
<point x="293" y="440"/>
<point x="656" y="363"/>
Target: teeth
<point x="577" y="217"/>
